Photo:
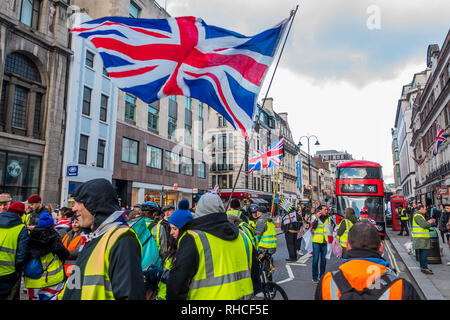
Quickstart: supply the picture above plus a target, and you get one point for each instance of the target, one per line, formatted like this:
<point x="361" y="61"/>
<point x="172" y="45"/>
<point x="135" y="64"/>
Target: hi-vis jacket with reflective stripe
<point x="360" y="274"/>
<point x="53" y="273"/>
<point x="344" y="237"/>
<point x="417" y="230"/>
<point x="224" y="271"/>
<point x="8" y="248"/>
<point x="96" y="283"/>
<point x="268" y="239"/>
<point x="321" y="232"/>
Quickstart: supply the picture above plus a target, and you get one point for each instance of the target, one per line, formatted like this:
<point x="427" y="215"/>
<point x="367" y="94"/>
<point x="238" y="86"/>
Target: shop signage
<point x="72" y="171"/>
<point x="442" y="191"/>
<point x="175" y="186"/>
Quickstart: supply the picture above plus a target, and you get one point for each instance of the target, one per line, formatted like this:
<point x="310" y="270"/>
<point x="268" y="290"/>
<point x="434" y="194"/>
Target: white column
<point x="141" y="195"/>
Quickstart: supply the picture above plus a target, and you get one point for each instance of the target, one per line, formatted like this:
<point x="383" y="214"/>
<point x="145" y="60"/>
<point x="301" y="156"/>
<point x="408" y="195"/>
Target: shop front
<point x="20" y="174"/>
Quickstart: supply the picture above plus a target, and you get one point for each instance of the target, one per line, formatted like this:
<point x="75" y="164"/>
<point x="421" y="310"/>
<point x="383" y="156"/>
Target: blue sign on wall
<point x="299" y="172"/>
<point x="72" y="171"/>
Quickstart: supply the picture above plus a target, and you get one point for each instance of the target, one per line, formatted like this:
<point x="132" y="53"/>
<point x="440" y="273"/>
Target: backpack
<point x="350" y="293"/>
<point x="150" y="251"/>
<point x="34" y="270"/>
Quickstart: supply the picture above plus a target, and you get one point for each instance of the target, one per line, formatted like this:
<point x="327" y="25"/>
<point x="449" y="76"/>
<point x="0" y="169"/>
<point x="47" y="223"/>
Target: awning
<point x="258" y="201"/>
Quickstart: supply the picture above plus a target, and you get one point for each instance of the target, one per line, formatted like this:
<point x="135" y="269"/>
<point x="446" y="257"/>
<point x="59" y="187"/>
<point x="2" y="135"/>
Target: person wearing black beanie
<point x="105" y="228"/>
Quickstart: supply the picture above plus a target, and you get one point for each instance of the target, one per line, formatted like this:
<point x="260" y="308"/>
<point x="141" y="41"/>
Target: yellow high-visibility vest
<point x="8" y="249"/>
<point x="269" y="237"/>
<point x="418" y="231"/>
<point x="344" y="237"/>
<point x="96" y="282"/>
<point x="320" y="233"/>
<point x="53" y="273"/>
<point x="224" y="270"/>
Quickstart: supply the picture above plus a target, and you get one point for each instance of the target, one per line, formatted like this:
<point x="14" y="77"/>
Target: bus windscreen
<point x="359" y="173"/>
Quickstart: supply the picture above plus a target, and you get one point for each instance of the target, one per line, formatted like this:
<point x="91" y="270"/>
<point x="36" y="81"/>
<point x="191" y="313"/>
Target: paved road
<point x="296" y="278"/>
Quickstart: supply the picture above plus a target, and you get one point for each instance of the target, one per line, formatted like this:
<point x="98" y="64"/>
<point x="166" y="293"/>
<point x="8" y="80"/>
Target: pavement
<point x="433" y="287"/>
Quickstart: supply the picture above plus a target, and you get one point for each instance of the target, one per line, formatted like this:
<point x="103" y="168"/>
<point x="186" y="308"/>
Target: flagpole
<point x="293" y="13"/>
<point x="275" y="191"/>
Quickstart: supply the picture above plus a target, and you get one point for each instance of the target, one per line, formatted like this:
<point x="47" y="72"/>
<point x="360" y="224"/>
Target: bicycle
<point x="269" y="289"/>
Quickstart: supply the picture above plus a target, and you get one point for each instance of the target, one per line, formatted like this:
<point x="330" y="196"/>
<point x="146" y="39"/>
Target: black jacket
<point x="44" y="241"/>
<point x="187" y="260"/>
<point x="36" y="214"/>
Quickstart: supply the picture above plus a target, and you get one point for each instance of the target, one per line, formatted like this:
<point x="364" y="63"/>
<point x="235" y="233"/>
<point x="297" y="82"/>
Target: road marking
<point x="290" y="273"/>
<point x="391" y="256"/>
<point x="305" y="258"/>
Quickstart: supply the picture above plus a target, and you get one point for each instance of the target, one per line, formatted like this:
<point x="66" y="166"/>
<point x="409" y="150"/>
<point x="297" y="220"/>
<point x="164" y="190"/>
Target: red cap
<point x="17" y="208"/>
<point x="34" y="198"/>
<point x="364" y="208"/>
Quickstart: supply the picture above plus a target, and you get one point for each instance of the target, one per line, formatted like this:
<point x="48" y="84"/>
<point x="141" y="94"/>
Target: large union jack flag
<point x="440" y="138"/>
<point x="268" y="157"/>
<point x="156" y="58"/>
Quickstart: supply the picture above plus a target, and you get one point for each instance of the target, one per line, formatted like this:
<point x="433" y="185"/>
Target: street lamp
<point x="309" y="158"/>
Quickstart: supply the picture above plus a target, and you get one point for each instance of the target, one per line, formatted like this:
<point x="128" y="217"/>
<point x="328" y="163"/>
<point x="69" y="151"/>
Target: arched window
<point x="21" y="101"/>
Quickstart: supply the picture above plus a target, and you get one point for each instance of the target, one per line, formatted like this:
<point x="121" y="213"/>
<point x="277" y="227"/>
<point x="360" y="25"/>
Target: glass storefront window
<point x="19" y="174"/>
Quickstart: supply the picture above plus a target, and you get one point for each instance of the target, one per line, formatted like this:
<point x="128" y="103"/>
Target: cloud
<point x="330" y="40"/>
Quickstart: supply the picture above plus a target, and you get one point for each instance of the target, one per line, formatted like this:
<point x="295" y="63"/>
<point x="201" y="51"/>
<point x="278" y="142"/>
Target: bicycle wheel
<point x="273" y="291"/>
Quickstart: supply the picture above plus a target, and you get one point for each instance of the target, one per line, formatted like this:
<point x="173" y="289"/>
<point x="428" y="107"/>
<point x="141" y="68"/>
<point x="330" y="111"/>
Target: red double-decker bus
<point x="359" y="184"/>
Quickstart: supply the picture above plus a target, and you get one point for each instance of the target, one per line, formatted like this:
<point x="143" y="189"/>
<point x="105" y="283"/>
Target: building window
<point x="19" y="174"/>
<point x="135" y="11"/>
<point x="187" y="166"/>
<point x="200" y="110"/>
<point x="172" y="162"/>
<point x="173" y="98"/>
<point x="101" y="153"/>
<point x="201" y="170"/>
<point x="89" y="59"/>
<point x="130" y="108"/>
<point x="103" y="107"/>
<point x="82" y="153"/>
<point x="188" y="103"/>
<point x="87" y="93"/>
<point x="171" y="127"/>
<point x="130" y="150"/>
<point x="188" y="134"/>
<point x="223" y="181"/>
<point x="29" y="13"/>
<point x="105" y="72"/>
<point x="222" y="121"/>
<point x="22" y="66"/>
<point x="153" y="118"/>
<point x="19" y="115"/>
<point x="22" y="80"/>
<point x="154" y="157"/>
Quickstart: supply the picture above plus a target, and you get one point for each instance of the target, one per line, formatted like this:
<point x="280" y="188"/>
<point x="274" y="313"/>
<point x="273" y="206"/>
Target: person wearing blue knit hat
<point x="46" y="220"/>
<point x="156" y="276"/>
<point x="180" y="217"/>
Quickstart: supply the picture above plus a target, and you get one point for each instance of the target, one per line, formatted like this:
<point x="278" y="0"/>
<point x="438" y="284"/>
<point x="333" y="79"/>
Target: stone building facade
<point x="34" y="54"/>
<point x="432" y="111"/>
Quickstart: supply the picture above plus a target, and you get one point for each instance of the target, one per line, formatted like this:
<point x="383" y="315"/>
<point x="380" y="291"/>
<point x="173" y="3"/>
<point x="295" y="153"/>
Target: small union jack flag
<point x="156" y="58"/>
<point x="215" y="190"/>
<point x="440" y="138"/>
<point x="266" y="158"/>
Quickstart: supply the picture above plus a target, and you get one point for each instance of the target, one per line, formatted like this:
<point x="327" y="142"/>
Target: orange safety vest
<point x="74" y="243"/>
<point x="360" y="273"/>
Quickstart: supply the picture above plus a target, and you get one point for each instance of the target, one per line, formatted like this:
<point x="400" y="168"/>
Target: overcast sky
<point x="344" y="64"/>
